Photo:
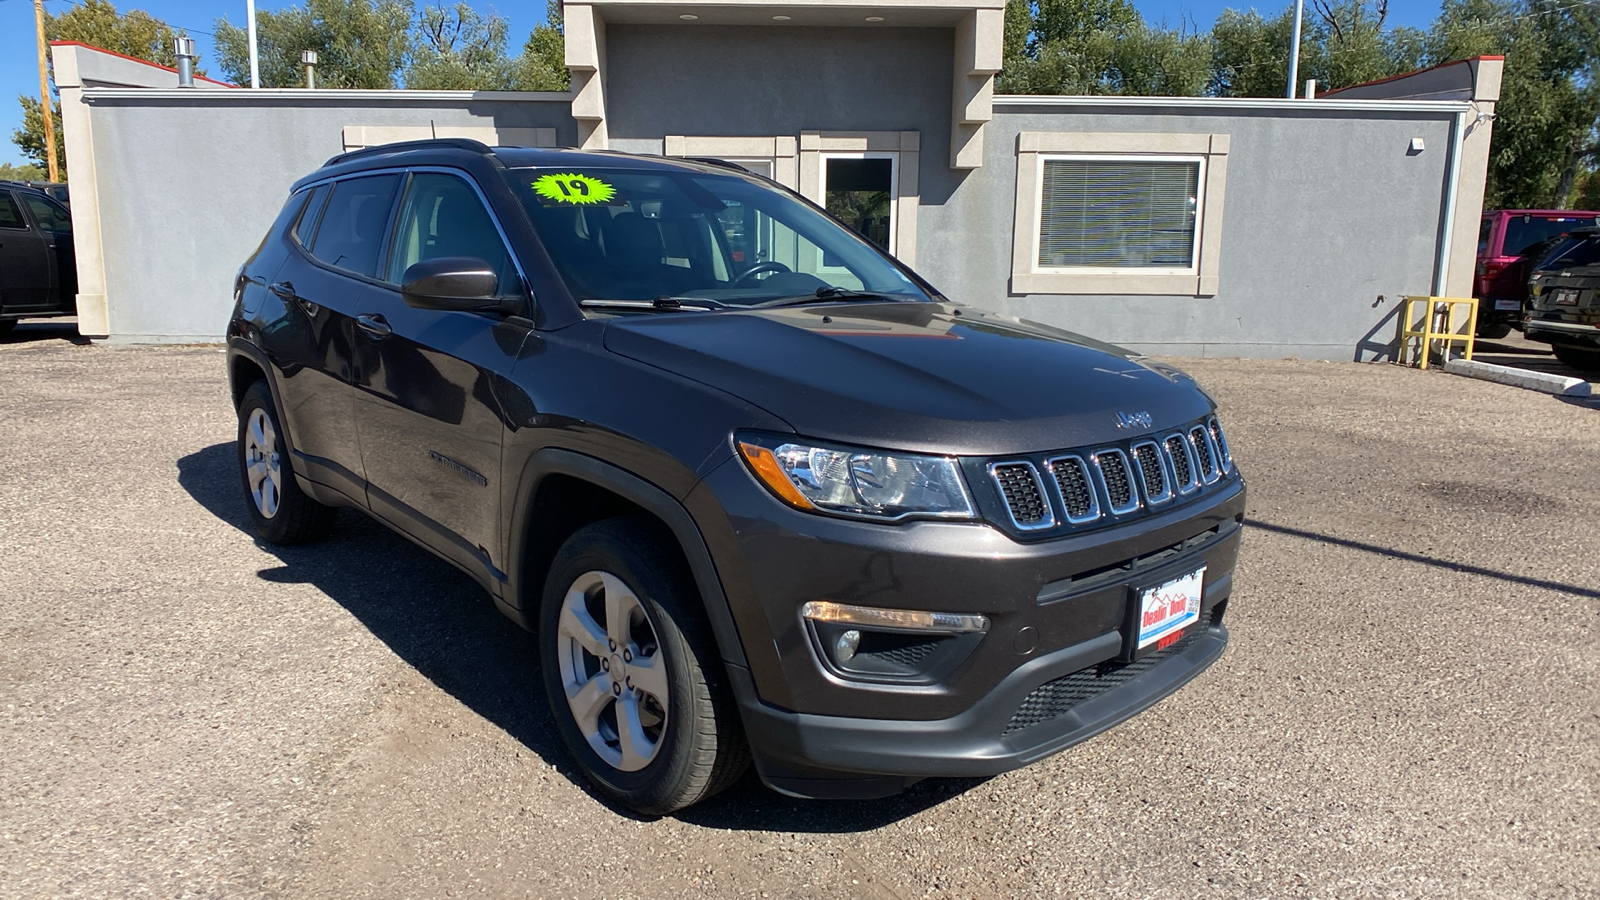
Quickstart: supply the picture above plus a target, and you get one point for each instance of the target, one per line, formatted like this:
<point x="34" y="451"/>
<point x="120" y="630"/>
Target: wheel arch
<point x="551" y="480"/>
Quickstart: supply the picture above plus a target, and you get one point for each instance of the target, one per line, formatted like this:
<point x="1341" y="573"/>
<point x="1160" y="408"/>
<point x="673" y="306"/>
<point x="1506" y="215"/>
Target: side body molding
<point x="557" y="461"/>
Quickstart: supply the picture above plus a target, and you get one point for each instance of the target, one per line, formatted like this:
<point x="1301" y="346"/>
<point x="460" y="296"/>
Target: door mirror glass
<point x="451" y="282"/>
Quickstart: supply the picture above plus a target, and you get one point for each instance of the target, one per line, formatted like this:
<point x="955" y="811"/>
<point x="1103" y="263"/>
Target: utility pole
<point x="45" y="107"/>
<point x="1294" y="48"/>
<point x="250" y="28"/>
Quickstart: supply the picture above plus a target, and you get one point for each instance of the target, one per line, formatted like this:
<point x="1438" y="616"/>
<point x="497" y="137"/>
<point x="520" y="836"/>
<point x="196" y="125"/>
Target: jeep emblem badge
<point x="1140" y="419"/>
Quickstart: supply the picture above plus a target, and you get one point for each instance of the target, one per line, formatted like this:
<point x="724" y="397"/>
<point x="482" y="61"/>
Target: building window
<point x="1119" y="213"/>
<point x="1129" y="214"/>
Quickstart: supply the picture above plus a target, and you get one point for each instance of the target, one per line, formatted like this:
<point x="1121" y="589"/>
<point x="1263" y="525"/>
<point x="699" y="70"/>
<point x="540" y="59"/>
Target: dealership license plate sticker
<point x="1508" y="304"/>
<point x="1168" y="608"/>
<point x="1567" y="297"/>
<point x="573" y="188"/>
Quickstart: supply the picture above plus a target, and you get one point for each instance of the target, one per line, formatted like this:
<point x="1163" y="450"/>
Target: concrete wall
<point x="194" y="183"/>
<point x="730" y="80"/>
<point x="1328" y="221"/>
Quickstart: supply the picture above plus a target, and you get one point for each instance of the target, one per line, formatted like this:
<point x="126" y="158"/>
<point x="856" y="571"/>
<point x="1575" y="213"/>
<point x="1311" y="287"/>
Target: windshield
<point x="1574" y="252"/>
<point x="723" y="240"/>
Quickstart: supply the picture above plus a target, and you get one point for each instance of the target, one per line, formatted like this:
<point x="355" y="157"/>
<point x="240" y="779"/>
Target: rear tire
<point x="635" y="682"/>
<point x="1580" y="358"/>
<point x="279" y="510"/>
<point x="6" y="325"/>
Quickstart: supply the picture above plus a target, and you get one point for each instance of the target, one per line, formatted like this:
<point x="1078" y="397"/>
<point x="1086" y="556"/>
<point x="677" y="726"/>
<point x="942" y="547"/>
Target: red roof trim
<point x="144" y="62"/>
<point x="1454" y="62"/>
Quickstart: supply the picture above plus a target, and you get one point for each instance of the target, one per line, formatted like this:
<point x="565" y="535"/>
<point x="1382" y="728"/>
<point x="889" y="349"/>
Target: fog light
<point x="844" y="649"/>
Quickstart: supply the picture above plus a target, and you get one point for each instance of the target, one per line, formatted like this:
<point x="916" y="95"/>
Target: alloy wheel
<point x="261" y="463"/>
<point x="612" y="671"/>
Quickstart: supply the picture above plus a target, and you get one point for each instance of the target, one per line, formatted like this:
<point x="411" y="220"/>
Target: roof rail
<point x="719" y="163"/>
<point x="455" y="143"/>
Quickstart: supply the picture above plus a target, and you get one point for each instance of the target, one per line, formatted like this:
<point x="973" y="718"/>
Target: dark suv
<point x="1563" y="307"/>
<point x="38" y="272"/>
<point x="787" y="503"/>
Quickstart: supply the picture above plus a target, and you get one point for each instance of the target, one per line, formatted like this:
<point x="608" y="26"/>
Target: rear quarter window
<point x="11" y="214"/>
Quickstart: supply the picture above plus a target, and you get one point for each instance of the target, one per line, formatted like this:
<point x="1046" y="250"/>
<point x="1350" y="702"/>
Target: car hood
<point x="916" y="376"/>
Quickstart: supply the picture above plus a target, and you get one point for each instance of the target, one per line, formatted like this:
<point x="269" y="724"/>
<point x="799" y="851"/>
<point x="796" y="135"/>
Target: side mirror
<point x="462" y="283"/>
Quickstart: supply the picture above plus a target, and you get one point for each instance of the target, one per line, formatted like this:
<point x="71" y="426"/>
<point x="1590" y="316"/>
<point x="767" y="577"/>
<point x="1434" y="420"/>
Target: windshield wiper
<point x="670" y="303"/>
<point x="825" y="293"/>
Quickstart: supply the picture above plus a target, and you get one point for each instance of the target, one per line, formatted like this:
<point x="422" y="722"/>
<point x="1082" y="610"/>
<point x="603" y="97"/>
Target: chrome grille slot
<point x="1118" y="481"/>
<point x="1203" y="455"/>
<point x="1071" y="475"/>
<point x="1182" y="463"/>
<point x="1152" y="474"/>
<point x="1224" y="456"/>
<point x="1024" y="495"/>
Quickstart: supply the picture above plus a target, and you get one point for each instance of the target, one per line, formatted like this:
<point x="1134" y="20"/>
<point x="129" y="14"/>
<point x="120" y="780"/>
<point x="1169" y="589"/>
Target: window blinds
<point x="1118" y="213"/>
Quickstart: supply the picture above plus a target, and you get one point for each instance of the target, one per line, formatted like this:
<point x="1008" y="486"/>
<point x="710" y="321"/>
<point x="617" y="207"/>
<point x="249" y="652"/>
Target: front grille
<point x="1215" y="428"/>
<point x="1071" y="476"/>
<point x="1084" y="488"/>
<point x="1182" y="471"/>
<point x="1024" y="495"/>
<point x="1151" y="472"/>
<point x="1118" y="480"/>
<point x="1054" y="699"/>
<point x="1202" y="452"/>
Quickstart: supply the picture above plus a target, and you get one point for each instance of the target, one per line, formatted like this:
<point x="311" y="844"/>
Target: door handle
<point x="283" y="289"/>
<point x="374" y="325"/>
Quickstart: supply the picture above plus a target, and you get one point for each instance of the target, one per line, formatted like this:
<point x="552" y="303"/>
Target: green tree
<point x="97" y="23"/>
<point x="359" y="44"/>
<point x="24" y="172"/>
<point x="1549" y="108"/>
<point x="543" y="63"/>
<point x="1099" y="47"/>
<point x="455" y="48"/>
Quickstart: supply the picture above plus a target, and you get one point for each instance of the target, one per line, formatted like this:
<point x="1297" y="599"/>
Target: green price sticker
<point x="567" y="187"/>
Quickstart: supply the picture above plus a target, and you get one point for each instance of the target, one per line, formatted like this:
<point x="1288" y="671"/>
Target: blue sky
<point x="18" y="74"/>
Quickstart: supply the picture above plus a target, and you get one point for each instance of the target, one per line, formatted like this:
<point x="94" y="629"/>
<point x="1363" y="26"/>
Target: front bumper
<point x="816" y="731"/>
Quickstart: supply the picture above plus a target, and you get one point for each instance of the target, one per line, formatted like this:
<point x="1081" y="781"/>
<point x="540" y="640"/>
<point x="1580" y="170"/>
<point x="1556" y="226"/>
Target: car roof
<point x="22" y="186"/>
<point x="446" y="151"/>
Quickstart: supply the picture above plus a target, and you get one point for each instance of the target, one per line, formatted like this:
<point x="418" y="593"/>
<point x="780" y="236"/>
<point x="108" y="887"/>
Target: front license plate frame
<point x="1160" y="613"/>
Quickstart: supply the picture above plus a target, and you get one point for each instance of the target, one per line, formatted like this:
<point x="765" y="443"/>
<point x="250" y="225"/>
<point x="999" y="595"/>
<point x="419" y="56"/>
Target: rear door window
<point x="350" y="235"/>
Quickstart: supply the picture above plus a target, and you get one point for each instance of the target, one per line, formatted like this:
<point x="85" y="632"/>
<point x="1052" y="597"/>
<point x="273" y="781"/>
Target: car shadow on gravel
<point x="442" y="623"/>
<point x="41" y="331"/>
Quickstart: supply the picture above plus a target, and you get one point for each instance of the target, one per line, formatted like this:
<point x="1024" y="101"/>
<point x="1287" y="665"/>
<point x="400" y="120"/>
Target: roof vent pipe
<point x="183" y="48"/>
<point x="308" y="58"/>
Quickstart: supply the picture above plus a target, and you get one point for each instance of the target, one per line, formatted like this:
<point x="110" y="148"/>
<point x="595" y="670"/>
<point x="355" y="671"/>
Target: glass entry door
<point x="860" y="190"/>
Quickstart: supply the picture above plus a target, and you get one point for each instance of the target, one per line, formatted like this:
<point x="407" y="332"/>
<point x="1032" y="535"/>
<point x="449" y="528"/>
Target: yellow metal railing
<point x="1437" y="323"/>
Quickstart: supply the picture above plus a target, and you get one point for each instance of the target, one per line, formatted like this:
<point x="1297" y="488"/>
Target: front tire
<point x="279" y="510"/>
<point x="635" y="682"/>
<point x="1580" y="358"/>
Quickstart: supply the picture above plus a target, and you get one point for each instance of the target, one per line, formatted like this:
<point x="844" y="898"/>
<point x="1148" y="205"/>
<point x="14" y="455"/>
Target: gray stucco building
<point x="1179" y="225"/>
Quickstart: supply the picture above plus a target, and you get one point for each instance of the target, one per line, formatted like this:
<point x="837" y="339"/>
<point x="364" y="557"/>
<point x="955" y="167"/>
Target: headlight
<point x="852" y="481"/>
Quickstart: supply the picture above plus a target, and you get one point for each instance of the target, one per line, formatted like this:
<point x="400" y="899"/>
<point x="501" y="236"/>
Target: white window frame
<point x="906" y="145"/>
<point x="1038" y="225"/>
<point x="893" y="157"/>
<point x="1201" y="279"/>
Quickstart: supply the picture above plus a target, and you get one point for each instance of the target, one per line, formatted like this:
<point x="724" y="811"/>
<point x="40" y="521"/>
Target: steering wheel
<point x="760" y="268"/>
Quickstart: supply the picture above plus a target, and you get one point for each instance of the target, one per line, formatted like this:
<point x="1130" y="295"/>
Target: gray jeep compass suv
<point x="762" y="492"/>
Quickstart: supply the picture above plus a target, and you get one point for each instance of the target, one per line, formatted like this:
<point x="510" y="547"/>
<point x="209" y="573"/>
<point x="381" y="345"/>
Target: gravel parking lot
<point x="1410" y="706"/>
